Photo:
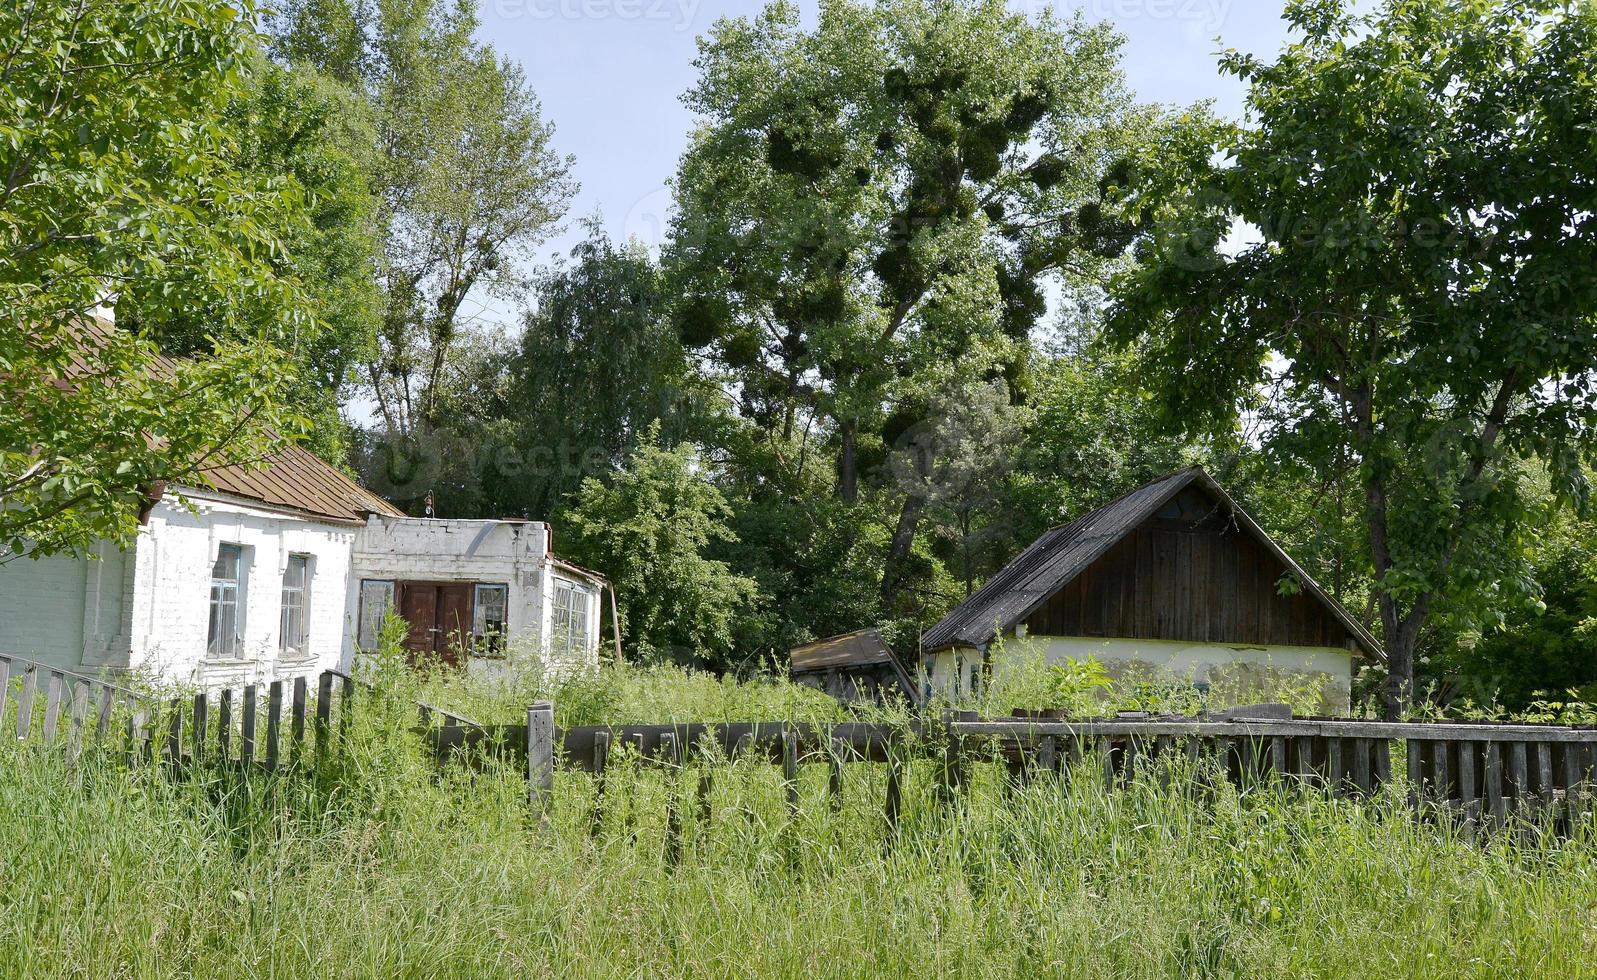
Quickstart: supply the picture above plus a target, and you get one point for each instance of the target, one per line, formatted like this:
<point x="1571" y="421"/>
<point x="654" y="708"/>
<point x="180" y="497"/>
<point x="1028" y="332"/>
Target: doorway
<point x="439" y="616"/>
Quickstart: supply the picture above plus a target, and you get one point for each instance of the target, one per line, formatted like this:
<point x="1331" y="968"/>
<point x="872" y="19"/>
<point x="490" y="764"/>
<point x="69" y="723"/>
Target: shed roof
<point x="1064" y="552"/>
<point x="861" y="648"/>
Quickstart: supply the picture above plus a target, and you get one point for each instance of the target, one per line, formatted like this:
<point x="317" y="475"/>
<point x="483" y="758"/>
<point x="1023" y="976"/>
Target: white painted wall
<point x="1216" y="664"/>
<point x="67" y="611"/>
<point x="511" y="553"/>
<point x="147" y="609"/>
<point x="171" y="596"/>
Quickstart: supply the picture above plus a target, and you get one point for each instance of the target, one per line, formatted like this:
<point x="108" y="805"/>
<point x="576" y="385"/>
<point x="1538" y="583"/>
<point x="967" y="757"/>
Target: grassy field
<point x="384" y="868"/>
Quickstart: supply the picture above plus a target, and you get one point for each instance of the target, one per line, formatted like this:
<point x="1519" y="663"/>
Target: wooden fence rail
<point x="1481" y="774"/>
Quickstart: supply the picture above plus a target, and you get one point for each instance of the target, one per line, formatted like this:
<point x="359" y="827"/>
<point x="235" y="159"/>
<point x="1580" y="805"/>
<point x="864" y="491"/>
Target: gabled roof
<point x="1060" y="554"/>
<point x="295" y="479"/>
<point x="291" y="478"/>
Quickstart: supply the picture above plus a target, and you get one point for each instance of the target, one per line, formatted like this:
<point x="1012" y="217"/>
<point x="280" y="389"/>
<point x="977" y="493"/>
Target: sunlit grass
<point x="384" y="867"/>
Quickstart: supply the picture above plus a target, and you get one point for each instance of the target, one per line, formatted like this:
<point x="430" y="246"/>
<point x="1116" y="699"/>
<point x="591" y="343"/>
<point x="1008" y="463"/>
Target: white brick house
<point x="286" y="571"/>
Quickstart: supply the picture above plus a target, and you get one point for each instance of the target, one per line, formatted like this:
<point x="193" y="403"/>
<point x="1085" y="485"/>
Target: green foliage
<point x="647" y="528"/>
<point x="598" y="364"/>
<point x="1415" y="315"/>
<point x="1549" y="644"/>
<point x="463" y="168"/>
<point x="122" y="183"/>
<point x="311" y="137"/>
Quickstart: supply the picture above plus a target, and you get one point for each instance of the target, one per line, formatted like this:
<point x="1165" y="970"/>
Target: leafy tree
<point x="119" y="180"/>
<point x="1419" y="306"/>
<point x="647" y="528"/>
<point x="956" y="465"/>
<point x="885" y="193"/>
<point x="466" y="175"/>
<point x="309" y="137"/>
<point x="598" y="365"/>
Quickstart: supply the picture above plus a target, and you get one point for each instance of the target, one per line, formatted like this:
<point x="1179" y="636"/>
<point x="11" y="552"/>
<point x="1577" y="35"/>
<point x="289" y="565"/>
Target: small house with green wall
<point x="1171" y="582"/>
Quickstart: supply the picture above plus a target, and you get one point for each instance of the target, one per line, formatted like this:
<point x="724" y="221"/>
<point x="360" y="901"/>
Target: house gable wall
<point x="1188" y="574"/>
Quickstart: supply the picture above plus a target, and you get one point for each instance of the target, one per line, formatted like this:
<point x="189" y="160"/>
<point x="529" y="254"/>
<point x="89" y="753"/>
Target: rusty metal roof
<point x="295" y="479"/>
<point x="861" y="648"/>
<point x="1062" y="553"/>
<point x="291" y="478"/>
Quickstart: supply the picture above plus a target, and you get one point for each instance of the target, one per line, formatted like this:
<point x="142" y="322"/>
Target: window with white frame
<point x="293" y="636"/>
<point x="488" y="620"/>
<point x="226" y="581"/>
<point x="569" y="628"/>
<point x="376" y="598"/>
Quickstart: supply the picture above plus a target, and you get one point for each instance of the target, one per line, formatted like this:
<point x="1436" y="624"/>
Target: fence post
<point x="669" y="758"/>
<point x="540" y="755"/>
<point x="324" y="715"/>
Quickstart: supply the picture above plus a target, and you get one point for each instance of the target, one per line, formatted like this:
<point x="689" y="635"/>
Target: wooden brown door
<point x="418" y="603"/>
<point x="454" y="621"/>
<point x="439" y="617"/>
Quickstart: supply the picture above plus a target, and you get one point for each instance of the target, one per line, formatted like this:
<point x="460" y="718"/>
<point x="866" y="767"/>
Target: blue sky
<point x="610" y="74"/>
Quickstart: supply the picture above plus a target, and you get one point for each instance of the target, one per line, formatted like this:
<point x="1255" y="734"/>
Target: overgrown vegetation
<point x="384" y="868"/>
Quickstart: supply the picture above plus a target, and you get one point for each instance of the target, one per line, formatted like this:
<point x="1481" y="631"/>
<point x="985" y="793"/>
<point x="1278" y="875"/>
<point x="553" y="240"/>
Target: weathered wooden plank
<point x="224" y="726"/>
<point x="52" y="704"/>
<point x="297" y="720"/>
<point x="1048" y="755"/>
<point x="1335" y="767"/>
<point x="673" y="818"/>
<point x="324" y="716"/>
<point x="1278" y="756"/>
<point x="274" y="722"/>
<point x="201" y="725"/>
<point x="540" y="755"/>
<point x="894" y="800"/>
<point x="79" y="713"/>
<point x="1441" y="779"/>
<point x="1222" y="755"/>
<point x="5" y="683"/>
<point x="1518" y="773"/>
<point x="346" y="708"/>
<point x="790" y="785"/>
<point x="174" y="733"/>
<point x="1415" y="751"/>
<point x="1544" y="773"/>
<point x="246" y="741"/>
<point x="1361" y="748"/>
<point x="1452" y="731"/>
<point x="1496" y="809"/>
<point x="834" y="774"/>
<point x="1469" y="759"/>
<point x="1383" y="762"/>
<point x="30" y="680"/>
<point x="107" y="699"/>
<point x="601" y="761"/>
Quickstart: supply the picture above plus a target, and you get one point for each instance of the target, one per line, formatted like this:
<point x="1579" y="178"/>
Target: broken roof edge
<point x="1178" y="480"/>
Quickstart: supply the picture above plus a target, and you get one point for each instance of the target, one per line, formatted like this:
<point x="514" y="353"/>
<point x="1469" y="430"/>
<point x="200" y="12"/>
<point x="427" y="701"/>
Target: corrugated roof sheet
<point x="860" y="648"/>
<point x="1064" y="552"/>
<point x="291" y="478"/>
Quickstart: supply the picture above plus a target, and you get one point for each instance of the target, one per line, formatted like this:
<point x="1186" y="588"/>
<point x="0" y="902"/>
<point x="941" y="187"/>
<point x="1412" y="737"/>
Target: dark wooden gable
<point x="1189" y="572"/>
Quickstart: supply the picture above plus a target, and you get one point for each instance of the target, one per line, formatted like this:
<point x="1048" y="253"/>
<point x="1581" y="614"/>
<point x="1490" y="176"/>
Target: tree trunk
<point x="848" y="475"/>
<point x="898" y="550"/>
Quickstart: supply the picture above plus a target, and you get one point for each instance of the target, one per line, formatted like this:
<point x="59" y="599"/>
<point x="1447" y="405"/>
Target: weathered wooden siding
<point x="1177" y="578"/>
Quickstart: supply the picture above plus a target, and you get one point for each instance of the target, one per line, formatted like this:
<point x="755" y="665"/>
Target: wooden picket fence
<point x="1479" y="774"/>
<point x="267" y="726"/>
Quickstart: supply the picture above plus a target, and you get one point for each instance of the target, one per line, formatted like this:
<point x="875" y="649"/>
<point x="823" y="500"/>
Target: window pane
<point x="376" y="596"/>
<point x="292" y="626"/>
<point x="222" y="629"/>
<point x="488" y="617"/>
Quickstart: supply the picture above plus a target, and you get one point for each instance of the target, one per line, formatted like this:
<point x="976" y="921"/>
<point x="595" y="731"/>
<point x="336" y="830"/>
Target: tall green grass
<point x="382" y="866"/>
